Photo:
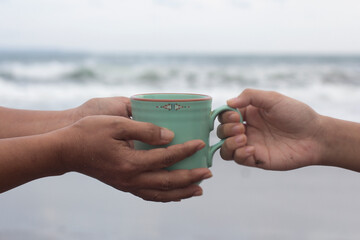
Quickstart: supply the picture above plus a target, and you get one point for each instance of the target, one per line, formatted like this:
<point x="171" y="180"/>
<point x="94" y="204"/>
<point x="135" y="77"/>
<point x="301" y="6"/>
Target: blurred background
<point x="56" y="55"/>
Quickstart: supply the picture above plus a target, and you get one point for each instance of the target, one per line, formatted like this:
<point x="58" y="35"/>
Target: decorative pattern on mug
<point x="172" y="107"/>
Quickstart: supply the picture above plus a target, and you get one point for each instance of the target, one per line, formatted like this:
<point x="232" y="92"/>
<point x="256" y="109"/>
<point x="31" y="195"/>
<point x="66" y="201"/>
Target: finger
<point x="242" y="155"/>
<point x="169" y="180"/>
<point x="243" y="113"/>
<point x="131" y="144"/>
<point x="229" y="117"/>
<point x="256" y="98"/>
<point x="231" y="145"/>
<point x="171" y="195"/>
<point x="160" y="158"/>
<point x="232" y="116"/>
<point x="230" y="129"/>
<point x="127" y="103"/>
<point x="128" y="129"/>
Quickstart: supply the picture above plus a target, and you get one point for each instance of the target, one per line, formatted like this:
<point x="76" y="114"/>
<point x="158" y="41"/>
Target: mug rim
<point x="204" y="97"/>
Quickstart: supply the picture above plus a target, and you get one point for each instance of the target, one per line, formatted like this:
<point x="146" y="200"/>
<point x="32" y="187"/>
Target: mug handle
<point x="213" y="116"/>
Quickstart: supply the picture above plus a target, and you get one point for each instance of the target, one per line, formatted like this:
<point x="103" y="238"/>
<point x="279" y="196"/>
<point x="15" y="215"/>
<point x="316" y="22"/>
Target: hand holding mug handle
<point x="213" y="116"/>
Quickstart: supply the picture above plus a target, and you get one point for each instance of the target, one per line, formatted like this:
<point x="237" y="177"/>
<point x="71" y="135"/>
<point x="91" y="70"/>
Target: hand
<point x="281" y="133"/>
<point x="115" y="106"/>
<point x="30" y="122"/>
<point x="100" y="147"/>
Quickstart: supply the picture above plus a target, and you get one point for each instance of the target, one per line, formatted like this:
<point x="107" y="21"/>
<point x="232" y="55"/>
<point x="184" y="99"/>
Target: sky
<point x="196" y="26"/>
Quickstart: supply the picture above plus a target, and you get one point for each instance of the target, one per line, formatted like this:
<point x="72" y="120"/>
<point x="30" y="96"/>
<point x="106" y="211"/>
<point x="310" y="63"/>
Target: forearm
<point x="15" y="122"/>
<point x="24" y="159"/>
<point x="341" y="143"/>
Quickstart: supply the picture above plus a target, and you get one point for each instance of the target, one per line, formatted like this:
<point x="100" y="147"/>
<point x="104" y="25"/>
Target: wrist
<point x="59" y="146"/>
<point x="340" y="143"/>
<point x="323" y="139"/>
<point x="68" y="149"/>
<point x="316" y="146"/>
<point x="54" y="145"/>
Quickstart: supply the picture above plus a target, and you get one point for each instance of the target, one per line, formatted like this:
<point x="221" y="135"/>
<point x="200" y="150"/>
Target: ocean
<point x="238" y="202"/>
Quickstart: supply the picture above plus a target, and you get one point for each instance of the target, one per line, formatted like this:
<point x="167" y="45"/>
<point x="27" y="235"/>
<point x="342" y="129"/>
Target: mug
<point x="189" y="116"/>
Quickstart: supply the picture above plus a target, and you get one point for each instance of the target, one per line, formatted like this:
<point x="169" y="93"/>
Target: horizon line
<point x="185" y="53"/>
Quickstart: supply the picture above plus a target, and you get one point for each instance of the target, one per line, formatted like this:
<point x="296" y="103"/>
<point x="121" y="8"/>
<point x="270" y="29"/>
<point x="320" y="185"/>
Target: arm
<point x="100" y="147"/>
<point x="282" y="133"/>
<point x="16" y="122"/>
<point x="340" y="141"/>
<point x="24" y="159"/>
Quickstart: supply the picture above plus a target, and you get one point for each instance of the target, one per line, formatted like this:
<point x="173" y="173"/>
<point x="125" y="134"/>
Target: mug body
<point x="187" y="115"/>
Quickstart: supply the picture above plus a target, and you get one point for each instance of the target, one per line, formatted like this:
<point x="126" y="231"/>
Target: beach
<point x="239" y="202"/>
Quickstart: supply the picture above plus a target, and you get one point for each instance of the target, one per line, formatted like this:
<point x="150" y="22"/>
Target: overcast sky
<point x="234" y="26"/>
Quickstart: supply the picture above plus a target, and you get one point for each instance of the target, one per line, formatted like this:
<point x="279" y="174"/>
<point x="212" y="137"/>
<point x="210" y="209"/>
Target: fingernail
<point x="198" y="193"/>
<point x="232" y="101"/>
<point x="207" y="175"/>
<point x="200" y="146"/>
<point x="166" y="134"/>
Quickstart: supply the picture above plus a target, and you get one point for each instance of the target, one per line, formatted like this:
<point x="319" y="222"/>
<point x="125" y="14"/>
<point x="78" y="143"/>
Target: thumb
<point x="145" y="132"/>
<point x="257" y="98"/>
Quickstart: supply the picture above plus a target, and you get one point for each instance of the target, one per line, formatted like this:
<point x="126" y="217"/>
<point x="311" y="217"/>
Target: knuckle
<point x="189" y="177"/>
<point x="121" y="133"/>
<point x="169" y="158"/>
<point x="247" y="91"/>
<point x="120" y="126"/>
<point x="127" y="167"/>
<point x="166" y="183"/>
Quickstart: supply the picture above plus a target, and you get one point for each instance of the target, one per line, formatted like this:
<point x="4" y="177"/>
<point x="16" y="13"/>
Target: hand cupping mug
<point x="189" y="116"/>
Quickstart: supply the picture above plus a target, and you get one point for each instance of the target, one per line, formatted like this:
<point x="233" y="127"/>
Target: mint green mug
<point x="189" y="116"/>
